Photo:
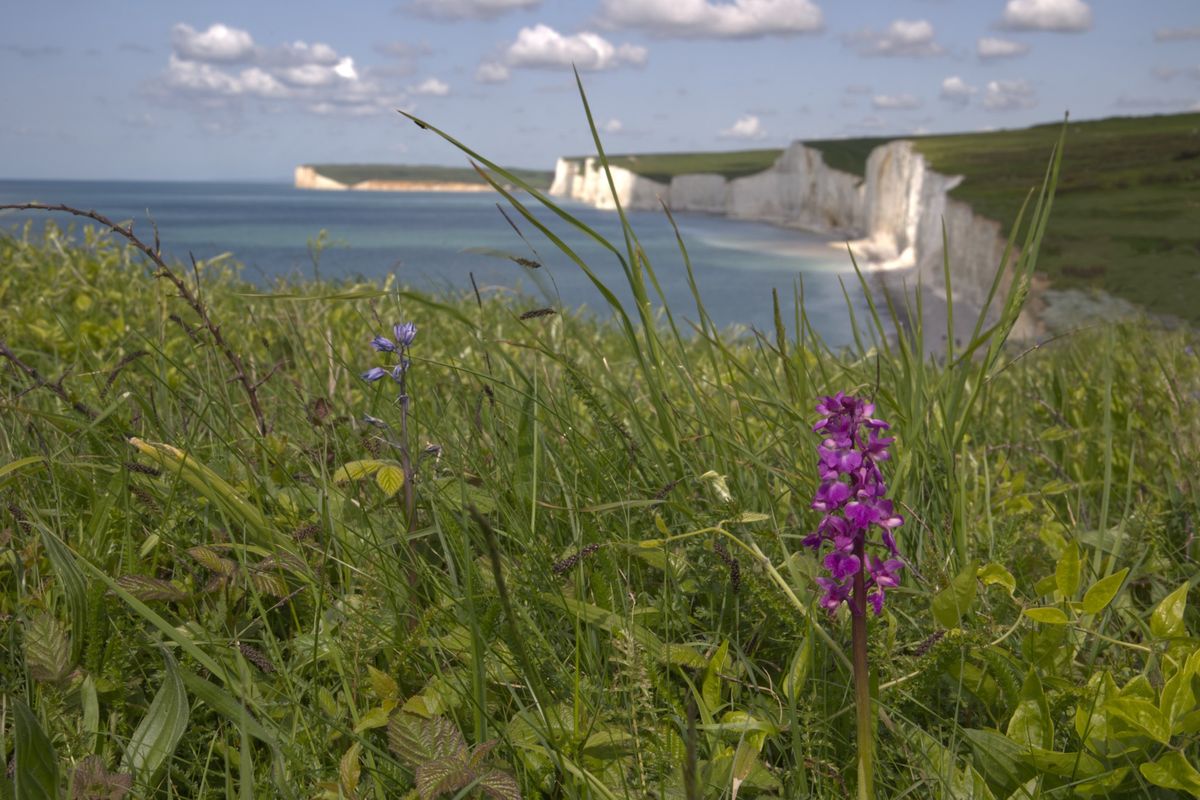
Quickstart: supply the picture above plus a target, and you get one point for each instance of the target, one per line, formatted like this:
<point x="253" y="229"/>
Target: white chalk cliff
<point x="893" y="215"/>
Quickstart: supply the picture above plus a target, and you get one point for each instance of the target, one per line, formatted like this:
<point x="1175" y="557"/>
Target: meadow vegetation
<point x="568" y="563"/>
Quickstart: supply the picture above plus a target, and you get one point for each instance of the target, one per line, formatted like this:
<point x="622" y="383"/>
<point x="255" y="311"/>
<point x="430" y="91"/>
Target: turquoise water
<point x="428" y="240"/>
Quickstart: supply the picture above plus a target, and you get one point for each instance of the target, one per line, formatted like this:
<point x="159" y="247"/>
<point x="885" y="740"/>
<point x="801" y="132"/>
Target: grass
<point x="603" y="573"/>
<point x="351" y="174"/>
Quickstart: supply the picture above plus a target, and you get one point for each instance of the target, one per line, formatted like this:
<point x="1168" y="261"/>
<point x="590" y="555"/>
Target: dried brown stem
<point x="53" y="386"/>
<point x="241" y="374"/>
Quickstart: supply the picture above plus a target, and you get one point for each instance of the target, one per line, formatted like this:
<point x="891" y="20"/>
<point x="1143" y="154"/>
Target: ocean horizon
<point x="437" y="241"/>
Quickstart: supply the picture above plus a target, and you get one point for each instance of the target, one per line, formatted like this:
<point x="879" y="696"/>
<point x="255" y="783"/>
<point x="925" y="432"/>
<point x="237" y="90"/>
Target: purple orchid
<point x="851" y="496"/>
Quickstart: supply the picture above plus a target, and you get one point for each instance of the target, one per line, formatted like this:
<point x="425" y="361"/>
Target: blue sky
<point x="219" y="90"/>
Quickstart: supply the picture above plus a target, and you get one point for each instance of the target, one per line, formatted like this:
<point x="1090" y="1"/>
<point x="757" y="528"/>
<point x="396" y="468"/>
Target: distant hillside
<point x="1126" y="218"/>
<point x="351" y="174"/>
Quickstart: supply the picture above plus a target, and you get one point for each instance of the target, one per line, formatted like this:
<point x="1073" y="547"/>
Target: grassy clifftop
<point x="351" y="174"/>
<point x="1127" y="215"/>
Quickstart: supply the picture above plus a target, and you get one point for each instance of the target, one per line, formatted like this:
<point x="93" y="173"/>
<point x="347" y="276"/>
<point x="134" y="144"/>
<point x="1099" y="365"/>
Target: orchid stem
<point x="862" y="679"/>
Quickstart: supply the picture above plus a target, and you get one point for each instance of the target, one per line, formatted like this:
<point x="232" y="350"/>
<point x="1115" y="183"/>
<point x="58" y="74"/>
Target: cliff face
<point x="894" y="214"/>
<point x="309" y="178"/>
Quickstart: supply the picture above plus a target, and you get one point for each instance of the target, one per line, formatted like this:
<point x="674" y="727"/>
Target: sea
<point x="445" y="241"/>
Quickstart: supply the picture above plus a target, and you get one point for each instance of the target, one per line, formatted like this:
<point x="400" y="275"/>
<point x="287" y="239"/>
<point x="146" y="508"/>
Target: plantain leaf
<point x="35" y="776"/>
<point x="161" y="729"/>
<point x="74" y="587"/>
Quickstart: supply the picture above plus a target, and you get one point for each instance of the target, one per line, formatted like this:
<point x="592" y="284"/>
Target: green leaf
<point x="383" y="685"/>
<point x="1173" y="771"/>
<point x="998" y="758"/>
<point x="442" y="775"/>
<point x="1143" y="715"/>
<point x="1072" y="766"/>
<point x="710" y="683"/>
<point x="353" y="470"/>
<point x="1067" y="571"/>
<point x="161" y="729"/>
<point x="417" y="740"/>
<point x="1166" y="621"/>
<point x="997" y="574"/>
<point x="211" y="485"/>
<point x="74" y="587"/>
<point x="390" y="479"/>
<point x="952" y="602"/>
<point x="47" y="649"/>
<point x="350" y="769"/>
<point x="1102" y="592"/>
<point x="499" y="785"/>
<point x="1048" y="615"/>
<point x="609" y="744"/>
<point x="36" y="773"/>
<point x="1030" y="724"/>
<point x="144" y="587"/>
<point x="377" y="717"/>
<point x="747" y="517"/>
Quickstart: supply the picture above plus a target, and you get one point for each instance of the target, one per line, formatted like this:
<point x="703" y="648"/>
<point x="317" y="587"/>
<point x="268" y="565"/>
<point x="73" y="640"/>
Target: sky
<point x="152" y="90"/>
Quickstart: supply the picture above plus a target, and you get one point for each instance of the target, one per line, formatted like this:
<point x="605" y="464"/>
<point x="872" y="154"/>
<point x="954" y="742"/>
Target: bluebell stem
<point x="404" y="334"/>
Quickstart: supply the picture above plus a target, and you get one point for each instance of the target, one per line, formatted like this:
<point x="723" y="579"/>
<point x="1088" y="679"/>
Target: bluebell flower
<point x="374" y="374"/>
<point x="383" y="344"/>
<point x="405" y="333"/>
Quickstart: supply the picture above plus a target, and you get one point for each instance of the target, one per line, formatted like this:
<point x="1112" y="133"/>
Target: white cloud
<point x="433" y="87"/>
<point x="747" y="127"/>
<point x="992" y="47"/>
<point x="1176" y="34"/>
<point x="908" y="38"/>
<point x="202" y="72"/>
<point x="1009" y="95"/>
<point x="491" y="72"/>
<point x="894" y="102"/>
<point x="613" y="126"/>
<point x="957" y="91"/>
<point x="1064" y="16"/>
<point x="719" y="20"/>
<point x="219" y="43"/>
<point x="469" y="9"/>
<point x="542" y="47"/>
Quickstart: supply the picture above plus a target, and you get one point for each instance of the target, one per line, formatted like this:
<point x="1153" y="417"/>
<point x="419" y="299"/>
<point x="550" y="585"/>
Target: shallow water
<point x="433" y="240"/>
